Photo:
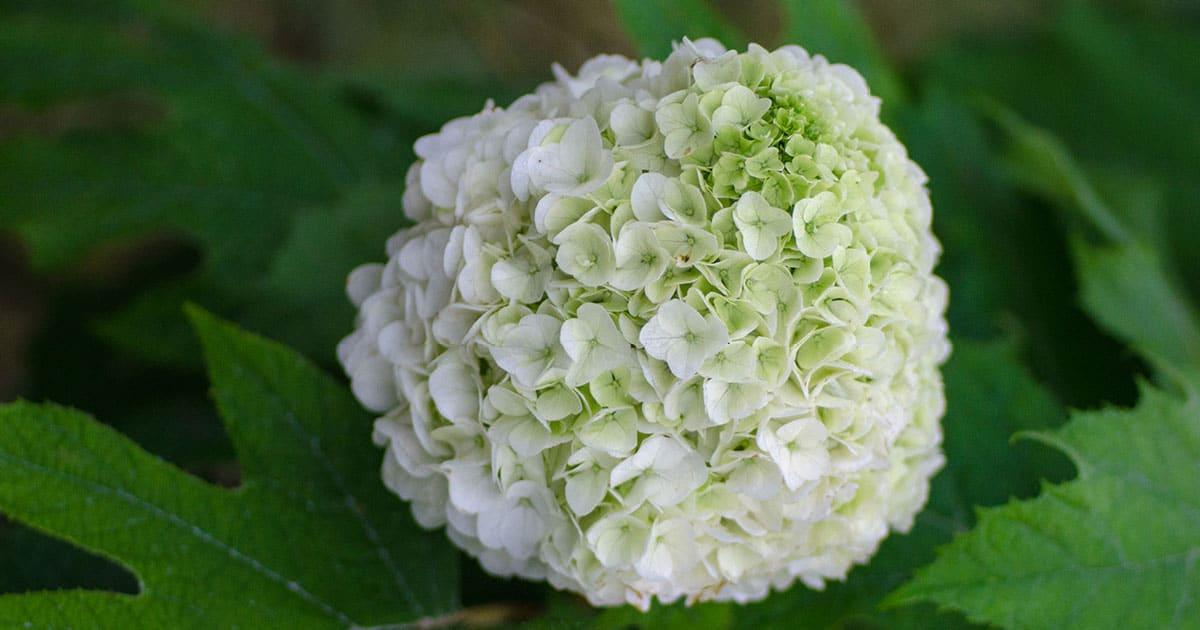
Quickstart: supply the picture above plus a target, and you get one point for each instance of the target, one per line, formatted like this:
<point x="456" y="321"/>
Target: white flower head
<point x="661" y="330"/>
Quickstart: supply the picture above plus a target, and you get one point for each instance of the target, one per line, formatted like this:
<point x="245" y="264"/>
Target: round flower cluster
<point x="661" y="329"/>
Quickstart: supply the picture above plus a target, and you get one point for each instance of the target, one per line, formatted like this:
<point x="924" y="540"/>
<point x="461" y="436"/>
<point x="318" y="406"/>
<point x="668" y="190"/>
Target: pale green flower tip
<point x="661" y="329"/>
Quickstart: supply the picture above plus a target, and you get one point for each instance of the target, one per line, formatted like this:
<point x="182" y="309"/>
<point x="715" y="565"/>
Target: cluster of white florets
<point x="661" y="329"/>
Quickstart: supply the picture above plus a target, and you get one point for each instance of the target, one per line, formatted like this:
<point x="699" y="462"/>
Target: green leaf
<point x="836" y="29"/>
<point x="133" y="117"/>
<point x="1125" y="284"/>
<point x="137" y="117"/>
<point x="1125" y="59"/>
<point x="1141" y="90"/>
<point x="1117" y="548"/>
<point x="1008" y="268"/>
<point x="299" y="298"/>
<point x="1131" y="295"/>
<point x="309" y="271"/>
<point x="654" y="24"/>
<point x="1108" y="61"/>
<point x="1042" y="163"/>
<point x="310" y="539"/>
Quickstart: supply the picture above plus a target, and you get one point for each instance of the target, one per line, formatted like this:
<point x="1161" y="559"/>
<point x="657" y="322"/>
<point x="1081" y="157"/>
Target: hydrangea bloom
<point x="661" y="329"/>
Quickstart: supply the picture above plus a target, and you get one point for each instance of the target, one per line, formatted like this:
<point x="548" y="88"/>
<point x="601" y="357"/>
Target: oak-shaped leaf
<point x="310" y="539"/>
<point x="1119" y="547"/>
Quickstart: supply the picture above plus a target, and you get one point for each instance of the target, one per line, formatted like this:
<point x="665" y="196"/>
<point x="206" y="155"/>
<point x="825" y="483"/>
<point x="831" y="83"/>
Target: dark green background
<point x="246" y="155"/>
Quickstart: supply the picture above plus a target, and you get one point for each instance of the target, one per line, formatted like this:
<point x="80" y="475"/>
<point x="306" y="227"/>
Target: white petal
<point x="585" y="490"/>
<point x="614" y="433"/>
<point x="362" y="282"/>
<point x="455" y="390"/>
<point x="373" y="384"/>
<point x="647" y="191"/>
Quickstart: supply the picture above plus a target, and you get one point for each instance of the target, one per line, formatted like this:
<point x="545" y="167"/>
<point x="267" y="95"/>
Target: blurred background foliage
<point x="246" y="155"/>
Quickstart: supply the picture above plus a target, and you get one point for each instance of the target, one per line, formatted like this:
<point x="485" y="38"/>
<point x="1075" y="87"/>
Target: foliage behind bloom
<point x="661" y="329"/>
